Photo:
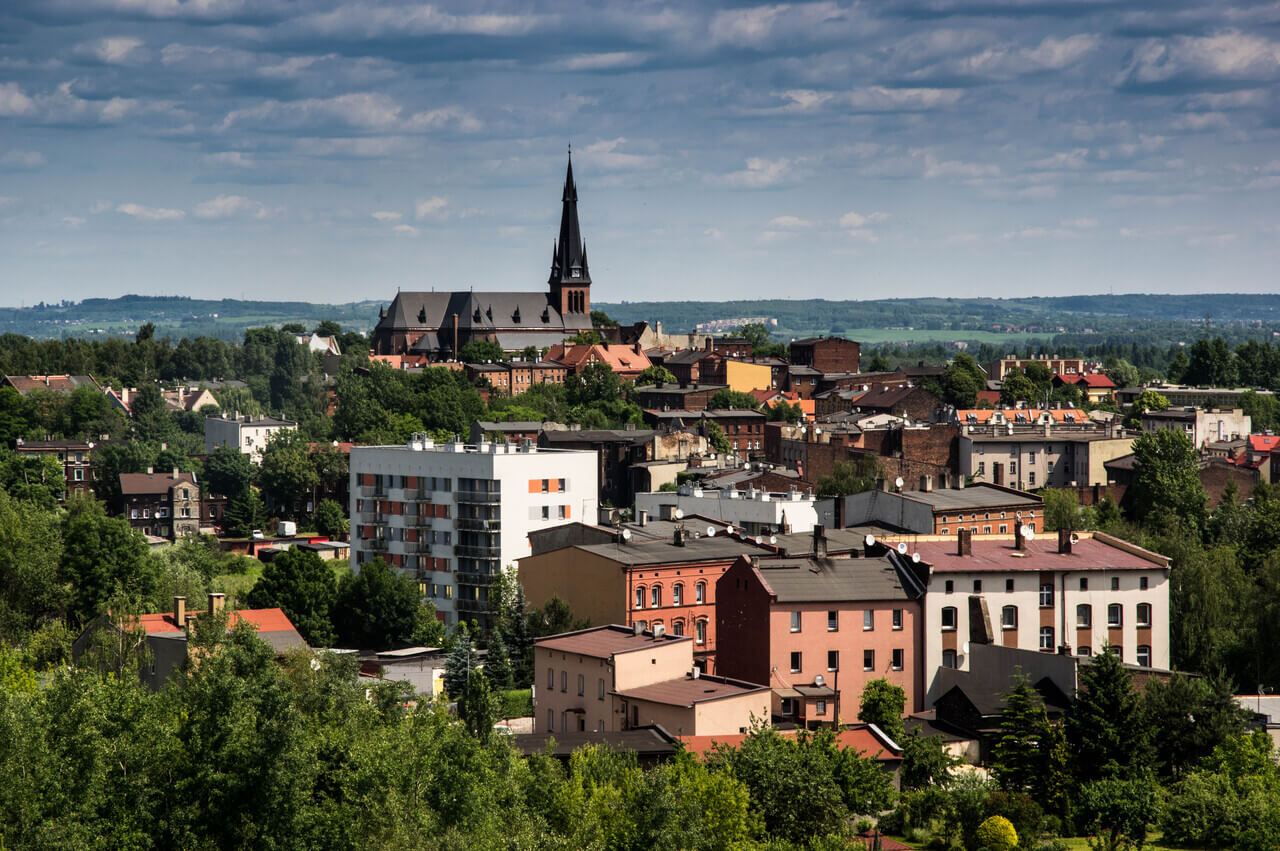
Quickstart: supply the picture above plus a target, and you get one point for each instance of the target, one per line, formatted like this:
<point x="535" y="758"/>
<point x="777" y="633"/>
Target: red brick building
<point x="827" y="354"/>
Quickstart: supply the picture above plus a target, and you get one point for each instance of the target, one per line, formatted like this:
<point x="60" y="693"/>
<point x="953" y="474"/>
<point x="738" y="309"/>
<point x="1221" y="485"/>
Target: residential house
<point x="803" y="380"/>
<point x="1094" y="387"/>
<point x="616" y="449"/>
<point x="1180" y="395"/>
<point x="1200" y="425"/>
<point x="826" y="354"/>
<point x="161" y="505"/>
<point x="627" y="361"/>
<point x="516" y="431"/>
<point x="25" y="384"/>
<point x="75" y="456"/>
<point x="613" y="678"/>
<point x="1047" y="456"/>
<point x="671" y="397"/>
<point x="189" y="399"/>
<point x="1058" y="366"/>
<point x="818" y="629"/>
<point x="984" y="509"/>
<point x="247" y="433"/>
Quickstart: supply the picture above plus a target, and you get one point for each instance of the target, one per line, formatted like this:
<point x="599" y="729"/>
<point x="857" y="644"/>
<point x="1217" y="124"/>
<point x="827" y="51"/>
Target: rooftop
<point x="645" y="741"/>
<point x="144" y="483"/>
<point x="863" y="737"/>
<point x="674" y="388"/>
<point x="273" y="626"/>
<point x="688" y="690"/>
<point x="718" y="548"/>
<point x="248" y="420"/>
<point x="813" y="580"/>
<point x="602" y="642"/>
<point x="973" y="496"/>
<point x="1100" y="552"/>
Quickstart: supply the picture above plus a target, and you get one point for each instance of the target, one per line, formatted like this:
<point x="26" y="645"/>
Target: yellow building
<point x="745" y="377"/>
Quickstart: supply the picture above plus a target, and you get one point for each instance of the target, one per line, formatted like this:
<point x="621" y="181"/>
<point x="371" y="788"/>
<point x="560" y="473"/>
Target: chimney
<point x="980" y="631"/>
<point x="1064" y="541"/>
<point x="1019" y="540"/>
<point x="151" y="471"/>
<point x="926" y="484"/>
<point x="642" y="517"/>
<point x="678" y="539"/>
<point x="964" y="542"/>
<point x="217" y="601"/>
<point x="175" y="472"/>
<point x="180" y="611"/>
<point x="959" y="482"/>
<point x="819" y="541"/>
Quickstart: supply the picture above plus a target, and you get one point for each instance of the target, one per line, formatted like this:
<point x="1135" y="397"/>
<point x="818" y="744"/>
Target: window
<point x="546" y="486"/>
<point x="1143" y="583"/>
<point x="1046" y="638"/>
<point x="1031" y="478"/>
<point x="897" y="618"/>
<point x="582" y="685"/>
<point x="700" y="632"/>
<point x="546" y="512"/>
<point x="1084" y="616"/>
<point x="868" y="619"/>
<point x="640" y="597"/>
<point x="655" y="597"/>
<point x="133" y="514"/>
<point x="1013" y="468"/>
<point x="948" y="617"/>
<point x="564" y="681"/>
<point x="677" y="594"/>
<point x="1144" y="614"/>
<point x="1004" y="528"/>
<point x="560" y="485"/>
<point x="897" y="659"/>
<point x="1116" y="649"/>
<point x="1115" y="583"/>
<point x="1115" y="615"/>
<point x="1144" y="655"/>
<point x="795" y="662"/>
<point x="1085" y="651"/>
<point x="1084" y="583"/>
<point x="1046" y="596"/>
<point x="564" y="512"/>
<point x="1009" y="617"/>
<point x="795" y="621"/>
<point x="949" y="586"/>
<point x="788" y="706"/>
<point x="982" y="468"/>
<point x="700" y="592"/>
<point x="600" y="690"/>
<point x="833" y="660"/>
<point x="1031" y="457"/>
<point x="551" y="721"/>
<point x="977" y="586"/>
<point x="948" y="658"/>
<point x="820" y="708"/>
<point x="79" y="475"/>
<point x="551" y="679"/>
<point x="1008" y="586"/>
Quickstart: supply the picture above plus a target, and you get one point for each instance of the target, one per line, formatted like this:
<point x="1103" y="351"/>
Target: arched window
<point x="639" y="596"/>
<point x="1084" y="616"/>
<point x="677" y="594"/>
<point x="700" y="632"/>
<point x="1115" y="615"/>
<point x="677" y="627"/>
<point x="700" y="592"/>
<point x="655" y="596"/>
<point x="1144" y="616"/>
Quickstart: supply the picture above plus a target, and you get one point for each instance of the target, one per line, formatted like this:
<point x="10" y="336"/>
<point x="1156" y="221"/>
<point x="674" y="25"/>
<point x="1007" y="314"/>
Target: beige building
<point x="1201" y="426"/>
<point x="1038" y="457"/>
<point x="614" y="678"/>
<point x="246" y="433"/>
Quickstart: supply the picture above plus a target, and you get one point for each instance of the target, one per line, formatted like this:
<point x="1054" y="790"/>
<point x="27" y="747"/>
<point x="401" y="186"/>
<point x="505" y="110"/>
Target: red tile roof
<point x="1095" y="379"/>
<point x="263" y="620"/>
<point x="1264" y="443"/>
<point x="859" y="738"/>
<point x="1095" y="553"/>
<point x="603" y="641"/>
<point x="624" y="360"/>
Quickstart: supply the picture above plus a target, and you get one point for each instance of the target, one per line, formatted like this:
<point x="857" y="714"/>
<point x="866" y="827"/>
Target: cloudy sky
<point x="332" y="150"/>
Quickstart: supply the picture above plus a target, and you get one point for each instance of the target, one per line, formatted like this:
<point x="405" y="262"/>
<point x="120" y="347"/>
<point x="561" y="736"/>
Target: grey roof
<point x="795" y="369"/>
<point x="1083" y="432"/>
<point x="717" y="548"/>
<point x="846" y="540"/>
<point x="672" y="388"/>
<point x="599" y="435"/>
<point x="816" y="580"/>
<point x="513" y="341"/>
<point x="480" y="312"/>
<point x="644" y="741"/>
<point x="973" y="496"/>
<point x="514" y="425"/>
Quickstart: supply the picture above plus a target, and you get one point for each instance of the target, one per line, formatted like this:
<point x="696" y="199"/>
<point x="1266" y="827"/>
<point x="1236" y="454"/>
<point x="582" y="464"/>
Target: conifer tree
<point x="497" y="665"/>
<point x="459" y="664"/>
<point x="1105" y="726"/>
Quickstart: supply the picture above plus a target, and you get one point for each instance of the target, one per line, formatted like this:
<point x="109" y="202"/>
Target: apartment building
<point x="161" y="505"/>
<point x="1201" y="426"/>
<point x="614" y="678"/>
<point x="982" y="508"/>
<point x="1059" y="366"/>
<point x="246" y="433"/>
<point x="73" y="455"/>
<point x="817" y="630"/>
<point x="455" y="514"/>
<point x="1073" y="595"/>
<point x="826" y="354"/>
<point x="1038" y="457"/>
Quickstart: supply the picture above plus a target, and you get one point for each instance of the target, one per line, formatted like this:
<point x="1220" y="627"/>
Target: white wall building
<point x="246" y="433"/>
<point x="1202" y="426"/>
<point x="756" y="512"/>
<point x="454" y="514"/>
<point x="1103" y="592"/>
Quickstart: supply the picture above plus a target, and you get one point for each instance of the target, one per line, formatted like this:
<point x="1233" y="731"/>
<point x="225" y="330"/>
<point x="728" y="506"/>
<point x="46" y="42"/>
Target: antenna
<point x="902" y="548"/>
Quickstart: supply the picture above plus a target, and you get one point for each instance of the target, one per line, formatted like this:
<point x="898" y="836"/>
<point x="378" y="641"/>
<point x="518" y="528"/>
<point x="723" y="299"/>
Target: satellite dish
<point x="915" y="558"/>
<point x="902" y="549"/>
<point x="759" y="539"/>
<point x="730" y="530"/>
<point x="679" y="513"/>
<point x="1031" y="533"/>
<point x="897" y="483"/>
<point x="818" y="680"/>
<point x="773" y="539"/>
<point x="1024" y="530"/>
<point x="966" y="648"/>
<point x="870" y="540"/>
<point x="626" y="534"/>
<point x="711" y="531"/>
<point x="1075" y="539"/>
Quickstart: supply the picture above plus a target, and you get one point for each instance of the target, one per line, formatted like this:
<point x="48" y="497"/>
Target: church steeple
<point x="570" y="279"/>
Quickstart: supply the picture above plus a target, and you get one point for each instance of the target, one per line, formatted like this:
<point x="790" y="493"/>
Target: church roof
<point x="570" y="252"/>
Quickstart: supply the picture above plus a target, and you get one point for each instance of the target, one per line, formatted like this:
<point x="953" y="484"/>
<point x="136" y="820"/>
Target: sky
<point x="338" y="151"/>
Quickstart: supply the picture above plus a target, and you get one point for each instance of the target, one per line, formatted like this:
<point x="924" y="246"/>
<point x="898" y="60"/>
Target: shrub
<point x="516" y="703"/>
<point x="997" y="834"/>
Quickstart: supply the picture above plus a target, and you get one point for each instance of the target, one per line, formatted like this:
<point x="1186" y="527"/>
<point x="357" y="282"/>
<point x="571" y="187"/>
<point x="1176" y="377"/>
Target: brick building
<point x="73" y="455"/>
<point x="672" y="397"/>
<point x="161" y="505"/>
<point x="827" y="354"/>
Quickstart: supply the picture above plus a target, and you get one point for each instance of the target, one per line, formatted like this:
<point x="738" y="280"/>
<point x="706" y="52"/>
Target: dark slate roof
<point x="649" y="741"/>
<point x="480" y="312"/>
<point x="718" y="548"/>
<point x="813" y="580"/>
<point x="687" y="356"/>
<point x="672" y="388"/>
<point x="599" y="435"/>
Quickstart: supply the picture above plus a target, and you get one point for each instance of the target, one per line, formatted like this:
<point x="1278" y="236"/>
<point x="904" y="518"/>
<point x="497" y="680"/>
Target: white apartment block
<point x="1037" y="596"/>
<point x="454" y="515"/>
<point x="246" y="433"/>
<point x="755" y="512"/>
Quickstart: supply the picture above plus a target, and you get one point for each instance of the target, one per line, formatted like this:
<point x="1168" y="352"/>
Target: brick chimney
<point x="180" y="611"/>
<point x="819" y="541"/>
<point x="964" y="542"/>
<point x="1064" y="541"/>
<point x="217" y="602"/>
<point x="1019" y="540"/>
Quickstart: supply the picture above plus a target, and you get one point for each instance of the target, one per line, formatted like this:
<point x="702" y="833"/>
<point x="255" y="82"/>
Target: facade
<point x="614" y="678"/>
<point x="668" y="583"/>
<point x="453" y="515"/>
<point x="754" y="512"/>
<point x="161" y="505"/>
<point x="437" y="325"/>
<point x="985" y="509"/>
<point x="627" y="361"/>
<point x="1063" y="367"/>
<point x="1093" y="386"/>
<point x="73" y="455"/>
<point x="826" y="354"/>
<point x="818" y="629"/>
<point x="246" y="433"/>
<point x="616" y="449"/>
<point x="1199" y="397"/>
<point x="671" y="397"/>
<point x="1201" y="426"/>
<point x="1038" y="458"/>
<point x="188" y="398"/>
<point x="1068" y="596"/>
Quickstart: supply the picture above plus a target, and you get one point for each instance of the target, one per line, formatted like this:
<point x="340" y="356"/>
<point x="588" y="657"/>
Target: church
<point x="438" y="324"/>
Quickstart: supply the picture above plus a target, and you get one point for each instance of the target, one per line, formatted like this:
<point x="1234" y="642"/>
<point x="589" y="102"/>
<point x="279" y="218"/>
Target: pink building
<point x="830" y="626"/>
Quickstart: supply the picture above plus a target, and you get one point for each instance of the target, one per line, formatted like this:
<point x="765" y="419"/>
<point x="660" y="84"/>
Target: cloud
<point x="1226" y="56"/>
<point x="760" y="173"/>
<point x="13" y="102"/>
<point x="1040" y="233"/>
<point x="857" y="220"/>
<point x="1080" y="223"/>
<point x="407" y="230"/>
<point x="789" y="223"/>
<point x="235" y="159"/>
<point x="1009" y="61"/>
<point x="228" y="206"/>
<point x="605" y="154"/>
<point x="386" y="216"/>
<point x="362" y="21"/>
<point x="1074" y="159"/>
<point x="797" y="24"/>
<point x="430" y="208"/>
<point x="601" y="61"/>
<point x="150" y="214"/>
<point x="113" y="51"/>
<point x="73" y="221"/>
<point x="22" y="159"/>
<point x="955" y="168"/>
<point x="881" y="99"/>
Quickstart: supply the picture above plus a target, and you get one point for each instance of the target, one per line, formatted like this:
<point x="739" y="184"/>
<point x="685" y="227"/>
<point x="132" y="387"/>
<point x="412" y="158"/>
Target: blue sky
<point x="337" y="151"/>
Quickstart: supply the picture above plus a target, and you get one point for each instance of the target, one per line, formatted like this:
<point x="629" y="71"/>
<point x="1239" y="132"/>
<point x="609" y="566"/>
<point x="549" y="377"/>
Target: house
<point x="515" y="431"/>
<point x="188" y="399"/>
<point x="1094" y="387"/>
<point x="818" y="629"/>
<point x="247" y="433"/>
<point x="753" y="512"/>
<point x="826" y="354"/>
<point x="75" y="456"/>
<point x="638" y="581"/>
<point x="650" y="743"/>
<point x="1077" y="594"/>
<point x="1045" y="456"/>
<point x="420" y="667"/>
<point x="627" y="361"/>
<point x="1200" y="425"/>
<point x="912" y="403"/>
<point x="1058" y="366"/>
<point x="867" y="739"/>
<point x="168" y="635"/>
<point x="438" y="324"/>
<point x="986" y="509"/>
<point x="614" y="678"/>
<point x="693" y="397"/>
<point x="26" y="384"/>
<point x="163" y="505"/>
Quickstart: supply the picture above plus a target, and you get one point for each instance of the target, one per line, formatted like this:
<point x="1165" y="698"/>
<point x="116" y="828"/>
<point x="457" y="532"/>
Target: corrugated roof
<point x="812" y="580"/>
<point x="718" y="548"/>
<point x="687" y="691"/>
<point x="601" y="642"/>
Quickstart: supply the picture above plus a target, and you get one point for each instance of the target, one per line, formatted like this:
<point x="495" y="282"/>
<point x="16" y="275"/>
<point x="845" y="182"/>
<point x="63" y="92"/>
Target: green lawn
<point x="873" y="336"/>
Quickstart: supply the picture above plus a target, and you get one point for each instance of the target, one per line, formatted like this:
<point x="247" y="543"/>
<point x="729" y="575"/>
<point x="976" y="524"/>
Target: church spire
<point x="570" y="257"/>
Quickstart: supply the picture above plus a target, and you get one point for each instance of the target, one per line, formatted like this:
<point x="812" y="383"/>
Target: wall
<point x="557" y="700"/>
<point x="745" y="377"/>
<point x="730" y="715"/>
<point x="742" y="606"/>
<point x="662" y="659"/>
<point x="593" y="586"/>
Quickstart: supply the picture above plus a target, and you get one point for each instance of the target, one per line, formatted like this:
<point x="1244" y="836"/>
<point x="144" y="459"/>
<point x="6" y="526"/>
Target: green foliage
<point x="1166" y="481"/>
<point x="1061" y="510"/>
<point x="1212" y="364"/>
<point x="1118" y="812"/>
<point x="459" y="664"/>
<point x="883" y="704"/>
<point x="926" y="761"/>
<point x="960" y="382"/>
<point x="879" y="363"/>
<point x="786" y="412"/>
<point x="40" y="480"/>
<point x="1123" y="373"/>
<point x="228" y="471"/>
<point x="481" y="351"/>
<point x="997" y="834"/>
<point x="600" y="319"/>
<point x="1147" y="400"/>
<point x="1104" y="726"/>
<point x="497" y="664"/>
<point x="1194" y="716"/>
<point x="245" y="513"/>
<point x="726" y="398"/>
<point x="850" y="477"/>
<point x="762" y="345"/>
<point x="287" y="474"/>
<point x="655" y="375"/>
<point x="102" y="557"/>
<point x="585" y="338"/>
<point x="329" y="519"/>
<point x="376" y="608"/>
<point x="478" y="705"/>
<point x="1030" y="756"/>
<point x="1018" y="387"/>
<point x="302" y="584"/>
<point x="716" y="438"/>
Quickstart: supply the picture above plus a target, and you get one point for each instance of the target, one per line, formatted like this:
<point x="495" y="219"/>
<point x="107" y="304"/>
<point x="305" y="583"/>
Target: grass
<point x="873" y="336"/>
<point x="1080" y="843"/>
<point x="237" y="585"/>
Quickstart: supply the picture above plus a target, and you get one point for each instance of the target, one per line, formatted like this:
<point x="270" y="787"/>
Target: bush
<point x="997" y="834"/>
<point x="515" y="703"/>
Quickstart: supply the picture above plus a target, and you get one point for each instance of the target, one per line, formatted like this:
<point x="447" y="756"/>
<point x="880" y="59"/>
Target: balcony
<point x="423" y="547"/>
<point x="376" y="544"/>
<point x="476" y="525"/>
<point x="477" y="497"/>
<point x="471" y="578"/>
<point x="372" y="517"/>
<point x="372" y="492"/>
<point x="477" y="552"/>
<point x="471" y="605"/>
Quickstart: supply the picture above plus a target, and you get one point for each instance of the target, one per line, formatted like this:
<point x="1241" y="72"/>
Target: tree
<point x="1118" y="812"/>
<point x="227" y="471"/>
<point x="1166" y="479"/>
<point x="850" y="477"/>
<point x="287" y="474"/>
<point x="102" y="557"/>
<point x="1030" y="757"/>
<point x="377" y="607"/>
<point x="553" y="618"/>
<point x="879" y="363"/>
<point x="882" y="704"/>
<point x="961" y="381"/>
<point x="997" y="834"/>
<point x="726" y="399"/>
<point x="328" y="328"/>
<point x="481" y="351"/>
<point x="762" y="345"/>
<point x="655" y="374"/>
<point x="785" y="412"/>
<point x="1178" y="366"/>
<point x="1061" y="510"/>
<point x="1017" y="387"/>
<point x="31" y="589"/>
<point x="1212" y="364"/>
<point x="600" y="319"/>
<point x="478" y="705"/>
<point x="1123" y="373"/>
<point x="926" y="762"/>
<point x="244" y="514"/>
<point x="459" y="664"/>
<point x="1104" y="726"/>
<point x="1193" y="715"/>
<point x="497" y="664"/>
<point x="302" y="584"/>
<point x="329" y="519"/>
<point x="1147" y="400"/>
<point x="148" y="401"/>
<point x="716" y="439"/>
